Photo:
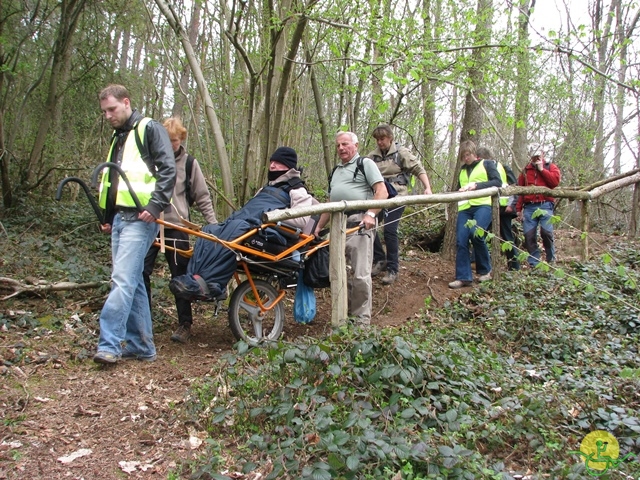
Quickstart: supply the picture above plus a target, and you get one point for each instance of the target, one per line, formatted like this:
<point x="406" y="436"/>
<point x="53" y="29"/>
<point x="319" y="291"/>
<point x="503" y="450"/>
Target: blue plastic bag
<point x="304" y="303"/>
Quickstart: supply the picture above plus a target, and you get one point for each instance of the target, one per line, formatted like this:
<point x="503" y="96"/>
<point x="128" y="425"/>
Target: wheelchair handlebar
<point x="84" y="186"/>
<point x="98" y="169"/>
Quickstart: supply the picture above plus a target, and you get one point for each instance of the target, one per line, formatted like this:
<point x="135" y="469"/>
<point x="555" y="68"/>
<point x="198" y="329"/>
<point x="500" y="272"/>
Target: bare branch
<point x="17" y="287"/>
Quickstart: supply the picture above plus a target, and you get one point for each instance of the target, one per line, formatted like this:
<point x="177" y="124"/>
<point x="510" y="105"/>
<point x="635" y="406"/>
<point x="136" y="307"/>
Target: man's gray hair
<point x="484" y="153"/>
<point x="536" y="149"/>
<point x="354" y="137"/>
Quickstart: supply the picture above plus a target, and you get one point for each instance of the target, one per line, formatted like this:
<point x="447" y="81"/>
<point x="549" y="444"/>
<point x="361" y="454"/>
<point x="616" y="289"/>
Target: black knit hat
<point x="286" y="156"/>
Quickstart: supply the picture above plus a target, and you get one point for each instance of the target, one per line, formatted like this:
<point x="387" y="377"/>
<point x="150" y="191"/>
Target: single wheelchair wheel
<point x="246" y="320"/>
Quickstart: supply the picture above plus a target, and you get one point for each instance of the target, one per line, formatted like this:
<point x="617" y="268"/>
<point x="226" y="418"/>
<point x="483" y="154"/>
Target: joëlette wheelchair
<point x="264" y="271"/>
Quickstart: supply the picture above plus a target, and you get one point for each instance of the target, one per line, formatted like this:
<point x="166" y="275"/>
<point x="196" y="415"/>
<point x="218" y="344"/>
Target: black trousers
<point x="177" y="266"/>
<point x="506" y="233"/>
<point x="390" y="232"/>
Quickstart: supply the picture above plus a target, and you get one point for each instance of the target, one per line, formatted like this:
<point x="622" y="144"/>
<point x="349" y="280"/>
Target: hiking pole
<point x="84" y="186"/>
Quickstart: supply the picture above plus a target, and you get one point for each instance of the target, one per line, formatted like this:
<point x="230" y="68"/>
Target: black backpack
<point x="187" y="180"/>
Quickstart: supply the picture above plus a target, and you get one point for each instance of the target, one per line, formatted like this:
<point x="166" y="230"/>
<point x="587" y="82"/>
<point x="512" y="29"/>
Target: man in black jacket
<point x="507" y="207"/>
<point x="142" y="149"/>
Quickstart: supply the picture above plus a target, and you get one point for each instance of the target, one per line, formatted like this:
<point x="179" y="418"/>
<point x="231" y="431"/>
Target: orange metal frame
<point x="237" y="245"/>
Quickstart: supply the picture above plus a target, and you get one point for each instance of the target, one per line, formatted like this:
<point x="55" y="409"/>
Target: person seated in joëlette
<point x="213" y="264"/>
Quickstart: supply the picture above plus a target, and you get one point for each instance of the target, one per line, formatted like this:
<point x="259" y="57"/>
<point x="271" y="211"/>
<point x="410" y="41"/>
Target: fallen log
<point x="17" y="287"/>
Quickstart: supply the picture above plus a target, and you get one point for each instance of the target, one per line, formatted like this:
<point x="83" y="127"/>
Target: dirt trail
<point x="125" y="418"/>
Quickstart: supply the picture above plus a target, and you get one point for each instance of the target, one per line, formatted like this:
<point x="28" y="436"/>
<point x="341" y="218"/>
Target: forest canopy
<point x="247" y="77"/>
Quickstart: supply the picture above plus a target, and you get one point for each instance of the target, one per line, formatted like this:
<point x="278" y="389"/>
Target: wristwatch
<point x="371" y="214"/>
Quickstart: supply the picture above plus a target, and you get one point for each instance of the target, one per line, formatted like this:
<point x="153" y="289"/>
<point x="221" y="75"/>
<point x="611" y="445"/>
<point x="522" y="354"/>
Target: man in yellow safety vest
<point x="507" y="207"/>
<point x="142" y="149"/>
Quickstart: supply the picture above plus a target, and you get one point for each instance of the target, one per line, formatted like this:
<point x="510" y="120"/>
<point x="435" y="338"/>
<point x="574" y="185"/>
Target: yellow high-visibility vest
<point x="504" y="201"/>
<point x="478" y="174"/>
<point x="142" y="181"/>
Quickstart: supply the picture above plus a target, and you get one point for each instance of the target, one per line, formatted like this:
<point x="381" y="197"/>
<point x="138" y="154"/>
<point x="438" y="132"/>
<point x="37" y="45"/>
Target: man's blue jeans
<point x="126" y="315"/>
<point x="530" y="227"/>
<point x="482" y="215"/>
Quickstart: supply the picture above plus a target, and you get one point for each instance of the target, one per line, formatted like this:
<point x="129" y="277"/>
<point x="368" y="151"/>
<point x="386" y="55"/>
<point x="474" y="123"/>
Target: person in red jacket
<point x="540" y="173"/>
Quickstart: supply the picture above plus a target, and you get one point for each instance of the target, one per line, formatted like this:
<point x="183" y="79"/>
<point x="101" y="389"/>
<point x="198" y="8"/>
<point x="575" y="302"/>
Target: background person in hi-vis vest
<point x="125" y="320"/>
<point x="475" y="174"/>
<point x="507" y="207"/>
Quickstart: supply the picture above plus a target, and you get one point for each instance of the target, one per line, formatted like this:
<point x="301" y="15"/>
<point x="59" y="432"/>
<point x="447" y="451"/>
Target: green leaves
<point x="518" y="363"/>
<point x="453" y="455"/>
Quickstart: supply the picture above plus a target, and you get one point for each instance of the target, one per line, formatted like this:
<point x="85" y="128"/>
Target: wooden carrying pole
<point x="338" y="267"/>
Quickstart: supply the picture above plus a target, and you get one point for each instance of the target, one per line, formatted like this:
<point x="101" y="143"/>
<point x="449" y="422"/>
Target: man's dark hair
<point x="381" y="131"/>
<point x="116" y="91"/>
<point x="484" y="153"/>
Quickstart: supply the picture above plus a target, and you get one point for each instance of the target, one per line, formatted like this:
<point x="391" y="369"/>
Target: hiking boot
<point x="514" y="265"/>
<point x="459" y="284"/>
<point x="126" y="355"/>
<point x="106" y="358"/>
<point x="378" y="268"/>
<point x="190" y="287"/>
<point x="361" y="322"/>
<point x="182" y="334"/>
<point x="389" y="278"/>
<point x="484" y="278"/>
<point x="152" y="358"/>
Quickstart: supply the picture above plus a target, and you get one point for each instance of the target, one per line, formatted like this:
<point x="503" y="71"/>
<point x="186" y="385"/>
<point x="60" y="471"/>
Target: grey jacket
<point x="199" y="192"/>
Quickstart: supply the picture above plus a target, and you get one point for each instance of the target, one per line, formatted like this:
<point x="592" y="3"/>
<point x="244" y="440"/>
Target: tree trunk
<point x="252" y="130"/>
<point x="277" y="35"/>
<point x="633" y="224"/>
<point x="124" y="50"/>
<point x="337" y="267"/>
<point x="41" y="287"/>
<point x="431" y="14"/>
<point x="602" y="35"/>
<point x="5" y="181"/>
<point x="225" y="169"/>
<point x="451" y="210"/>
<point x="287" y="69"/>
<point x="70" y="11"/>
<point x="473" y="115"/>
<point x="7" y="193"/>
<point x="317" y="97"/>
<point x="181" y="94"/>
<point x="521" y="106"/>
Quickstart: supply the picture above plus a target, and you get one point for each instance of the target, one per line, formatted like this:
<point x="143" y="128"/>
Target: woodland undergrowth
<point x="504" y="383"/>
